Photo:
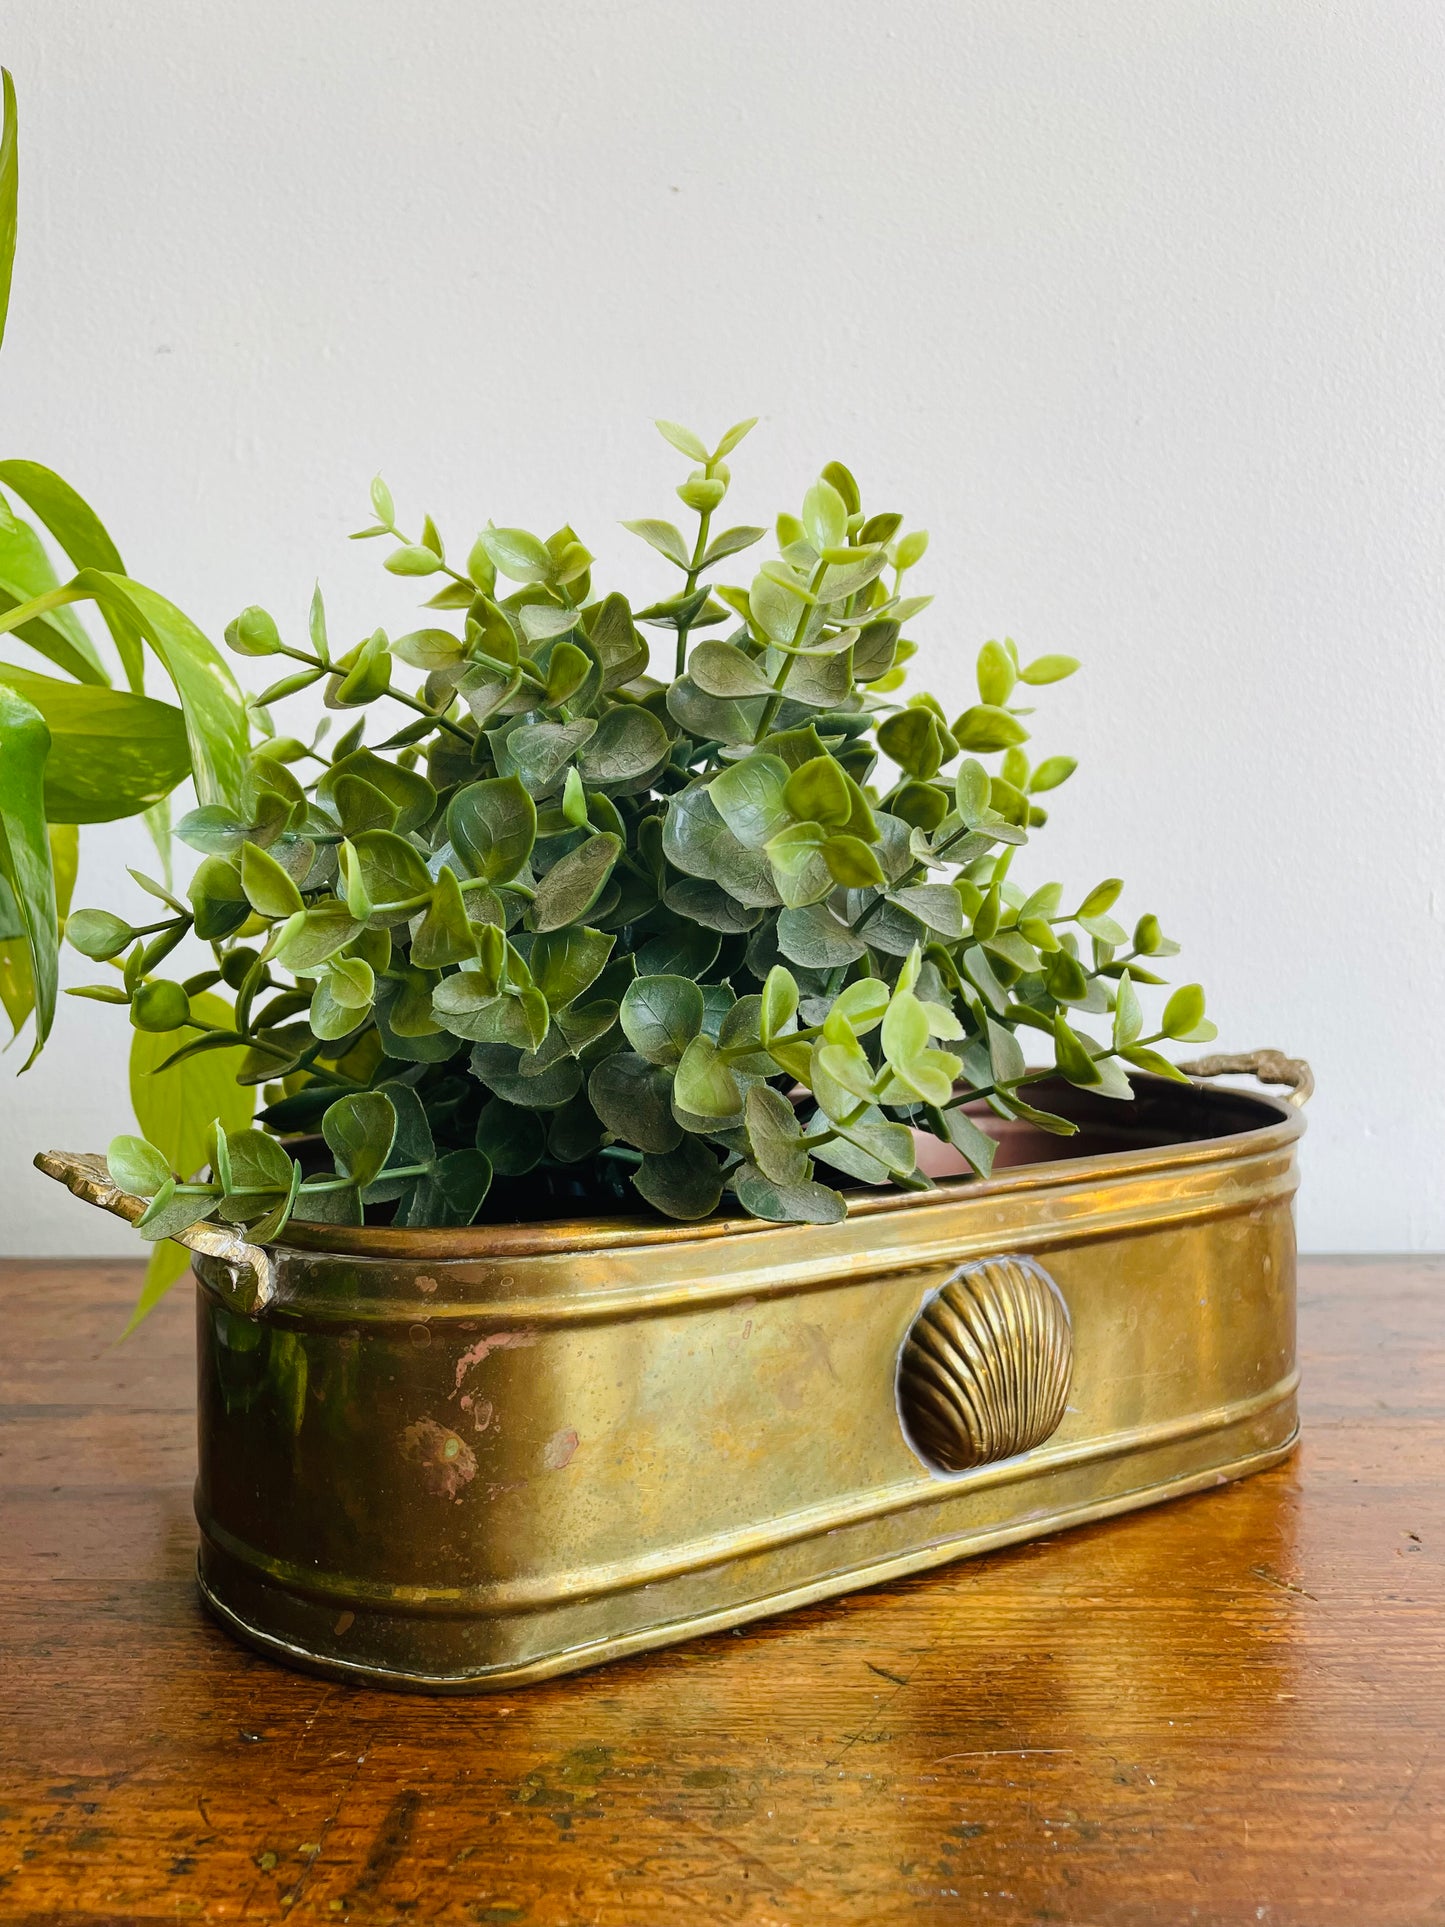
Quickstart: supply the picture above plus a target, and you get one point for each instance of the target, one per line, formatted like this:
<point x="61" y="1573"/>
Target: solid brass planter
<point x="459" y="1460"/>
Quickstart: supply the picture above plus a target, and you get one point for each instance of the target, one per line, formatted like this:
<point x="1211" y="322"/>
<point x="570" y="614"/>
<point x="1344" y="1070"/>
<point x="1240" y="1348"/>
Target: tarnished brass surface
<point x="984" y="1371"/>
<point x="464" y="1459"/>
<point x="1269" y="1066"/>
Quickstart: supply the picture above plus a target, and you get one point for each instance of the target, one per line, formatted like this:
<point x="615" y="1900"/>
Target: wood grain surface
<point x="1230" y="1709"/>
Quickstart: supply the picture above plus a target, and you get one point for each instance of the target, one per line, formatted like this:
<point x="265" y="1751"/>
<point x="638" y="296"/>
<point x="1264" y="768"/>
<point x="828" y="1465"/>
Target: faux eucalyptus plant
<point x="564" y="933"/>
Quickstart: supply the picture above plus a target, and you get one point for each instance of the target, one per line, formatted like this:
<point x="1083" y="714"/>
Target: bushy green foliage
<point x="740" y="932"/>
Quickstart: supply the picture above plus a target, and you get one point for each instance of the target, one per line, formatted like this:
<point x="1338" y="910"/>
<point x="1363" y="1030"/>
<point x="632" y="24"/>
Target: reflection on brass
<point x="984" y="1372"/>
<point x="463" y="1459"/>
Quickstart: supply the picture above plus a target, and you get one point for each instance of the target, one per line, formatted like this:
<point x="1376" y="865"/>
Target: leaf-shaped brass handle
<point x="1269" y="1066"/>
<point x="245" y="1270"/>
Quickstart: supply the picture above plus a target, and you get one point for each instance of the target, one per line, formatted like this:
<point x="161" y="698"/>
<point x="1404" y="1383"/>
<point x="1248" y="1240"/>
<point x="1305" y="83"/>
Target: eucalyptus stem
<point x="396" y="695"/>
<point x="694" y="571"/>
<point x="775" y="701"/>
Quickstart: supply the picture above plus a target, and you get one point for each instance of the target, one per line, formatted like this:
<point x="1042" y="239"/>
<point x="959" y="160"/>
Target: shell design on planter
<point x="984" y="1371"/>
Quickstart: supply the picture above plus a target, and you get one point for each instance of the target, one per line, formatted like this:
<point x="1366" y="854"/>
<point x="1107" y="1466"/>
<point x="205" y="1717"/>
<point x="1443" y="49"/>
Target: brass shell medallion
<point x="984" y="1371"/>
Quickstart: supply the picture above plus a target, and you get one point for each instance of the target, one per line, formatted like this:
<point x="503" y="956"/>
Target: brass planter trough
<point x="462" y="1460"/>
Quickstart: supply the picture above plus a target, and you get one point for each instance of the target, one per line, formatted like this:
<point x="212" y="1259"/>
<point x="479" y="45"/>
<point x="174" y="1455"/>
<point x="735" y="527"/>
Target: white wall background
<point x="1138" y="308"/>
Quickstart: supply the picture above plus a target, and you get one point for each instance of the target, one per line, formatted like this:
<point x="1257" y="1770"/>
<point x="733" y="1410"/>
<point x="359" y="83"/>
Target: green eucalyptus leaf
<point x="1074" y="1059"/>
<point x="566" y="962"/>
<point x="568" y="668"/>
<point x="1151" y="1060"/>
<point x="630" y="744"/>
<point x="876" y="648"/>
<point x="574" y="883"/>
<point x="309" y="938"/>
<point x="1184" y="1013"/>
<point x="709" y="904"/>
<point x="734" y="435"/>
<point x="818" y="792"/>
<point x="517" y="555"/>
<point x="633" y="1098"/>
<point x="255" y="1162"/>
<point x="775" y="1136"/>
<point x="679" y="950"/>
<point x="1128" y="1016"/>
<point x="968" y="1138"/>
<point x="730" y="542"/>
<point x="1046" y="669"/>
<point x="493" y="826"/>
<point x="805" y="1203"/>
<point x="686" y="1183"/>
<point x="540" y="752"/>
<point x="987" y="727"/>
<point x="392" y="873"/>
<point x="724" y="719"/>
<point x="443" y="934"/>
<point x="172" y="1212"/>
<point x="619" y="649"/>
<point x="429" y="649"/>
<point x="359" y="806"/>
<point x="997" y="674"/>
<point x="358" y="1130"/>
<point x="844" y="579"/>
<point x="661" y="1015"/>
<point x="454" y="1190"/>
<point x="825" y="516"/>
<point x="722" y="669"/>
<point x="498" y="1067"/>
<point x="1052" y="771"/>
<point x="663" y="537"/>
<point x="799" y="864"/>
<point x="817" y="939"/>
<point x="913" y="738"/>
<point x="541" y="621"/>
<point x="97" y="934"/>
<point x="267" y="887"/>
<point x="511" y="1138"/>
<point x="137" y="1167"/>
<point x="703" y="1083"/>
<point x="850" y="862"/>
<point x="410" y="794"/>
<point x="935" y="904"/>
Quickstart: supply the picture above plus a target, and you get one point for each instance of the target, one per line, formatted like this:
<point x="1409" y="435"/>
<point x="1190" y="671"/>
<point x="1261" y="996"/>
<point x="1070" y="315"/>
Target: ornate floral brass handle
<point x="1269" y="1066"/>
<point x="984" y="1371"/>
<point x="243" y="1271"/>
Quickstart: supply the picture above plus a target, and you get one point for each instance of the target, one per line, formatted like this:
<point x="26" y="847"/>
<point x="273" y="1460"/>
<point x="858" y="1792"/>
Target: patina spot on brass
<point x="984" y="1371"/>
<point x="447" y="1463"/>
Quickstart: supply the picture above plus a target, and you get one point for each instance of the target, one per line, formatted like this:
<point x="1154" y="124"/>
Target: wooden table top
<point x="1227" y="1709"/>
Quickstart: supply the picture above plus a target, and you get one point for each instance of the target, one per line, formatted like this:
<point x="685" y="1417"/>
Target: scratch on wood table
<point x="1225" y="1710"/>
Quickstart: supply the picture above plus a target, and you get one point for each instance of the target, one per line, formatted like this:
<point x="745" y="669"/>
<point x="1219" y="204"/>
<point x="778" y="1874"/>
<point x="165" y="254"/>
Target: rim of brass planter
<point x="613" y="1233"/>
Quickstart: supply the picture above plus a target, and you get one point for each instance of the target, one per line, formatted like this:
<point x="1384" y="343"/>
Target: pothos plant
<point x="74" y="748"/>
<point x="577" y="935"/>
